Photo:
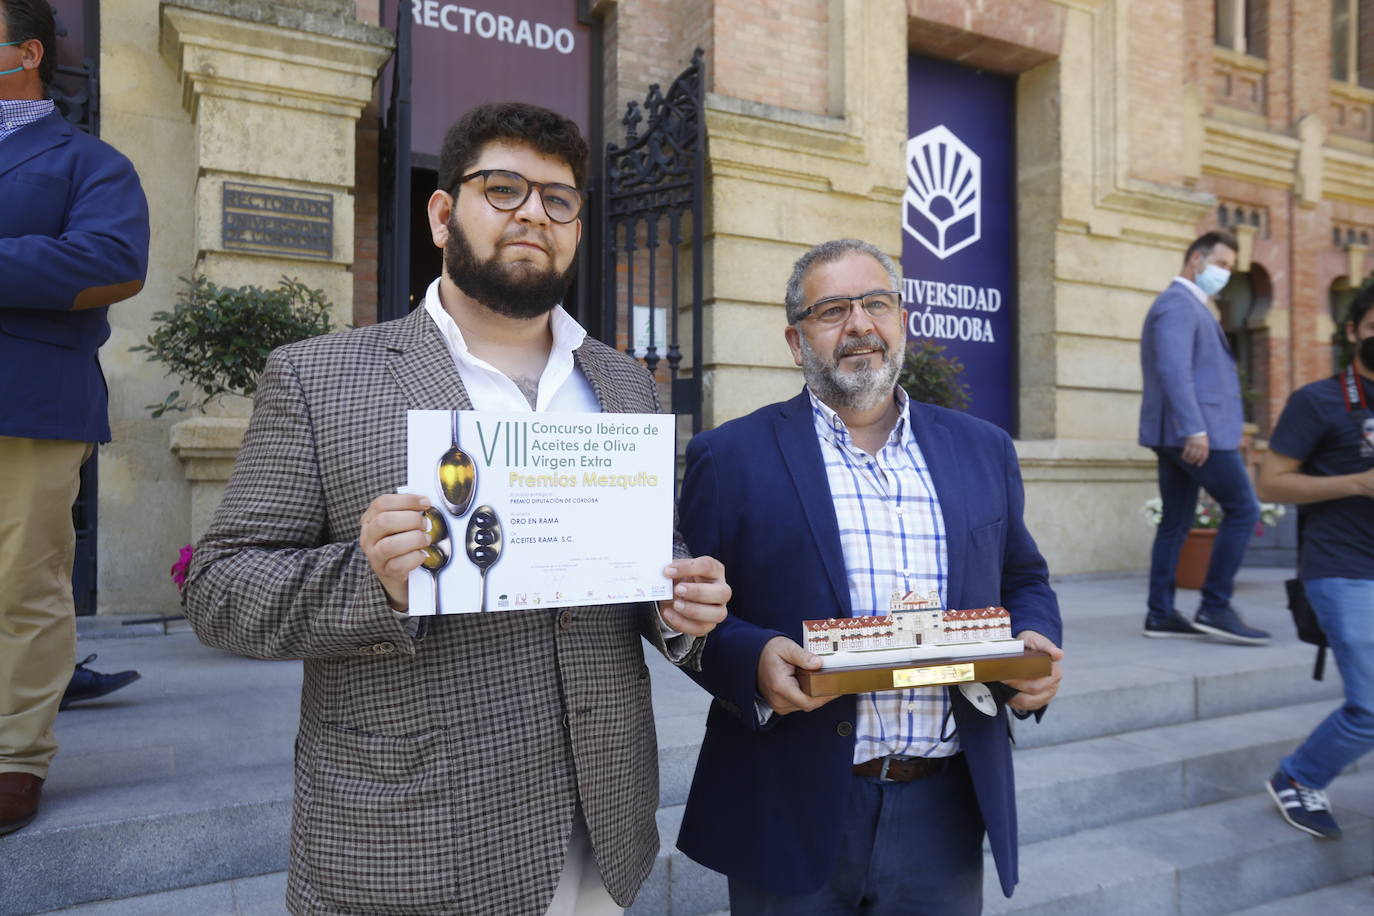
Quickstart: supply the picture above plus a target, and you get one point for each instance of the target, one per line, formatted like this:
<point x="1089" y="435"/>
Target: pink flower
<point x="182" y="564"/>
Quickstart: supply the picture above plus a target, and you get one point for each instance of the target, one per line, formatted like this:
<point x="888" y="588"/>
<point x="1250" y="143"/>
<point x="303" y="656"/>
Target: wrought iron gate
<point x="652" y="185"/>
<point x="76" y="92"/>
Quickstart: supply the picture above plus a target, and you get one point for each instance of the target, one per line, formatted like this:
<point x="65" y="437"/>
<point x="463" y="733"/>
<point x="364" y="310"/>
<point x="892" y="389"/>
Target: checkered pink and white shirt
<point x="893" y="538"/>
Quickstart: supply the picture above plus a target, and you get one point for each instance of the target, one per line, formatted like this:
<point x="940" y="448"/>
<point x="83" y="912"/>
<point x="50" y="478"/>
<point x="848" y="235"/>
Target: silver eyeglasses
<point x="878" y="304"/>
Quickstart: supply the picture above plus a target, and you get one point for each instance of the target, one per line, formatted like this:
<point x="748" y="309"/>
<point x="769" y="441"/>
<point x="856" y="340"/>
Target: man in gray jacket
<point x="1191" y="417"/>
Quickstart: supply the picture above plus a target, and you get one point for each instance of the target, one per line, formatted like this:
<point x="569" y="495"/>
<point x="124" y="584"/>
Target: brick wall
<point x="773" y="51"/>
<point x="1006" y="36"/>
<point x="649" y="41"/>
<point x="1158" y="48"/>
<point x="1300" y="256"/>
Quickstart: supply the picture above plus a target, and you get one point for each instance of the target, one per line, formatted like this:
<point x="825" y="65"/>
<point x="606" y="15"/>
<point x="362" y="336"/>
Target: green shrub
<point x="216" y="338"/>
<point x="928" y="375"/>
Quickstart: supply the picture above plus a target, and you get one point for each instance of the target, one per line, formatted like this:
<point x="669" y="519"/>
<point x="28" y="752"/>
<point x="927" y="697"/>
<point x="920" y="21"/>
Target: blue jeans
<point x="1225" y="479"/>
<point x="906" y="849"/>
<point x="1345" y="608"/>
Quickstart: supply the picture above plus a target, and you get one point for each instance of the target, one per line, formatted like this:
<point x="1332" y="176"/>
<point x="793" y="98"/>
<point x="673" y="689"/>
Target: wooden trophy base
<point x="924" y="673"/>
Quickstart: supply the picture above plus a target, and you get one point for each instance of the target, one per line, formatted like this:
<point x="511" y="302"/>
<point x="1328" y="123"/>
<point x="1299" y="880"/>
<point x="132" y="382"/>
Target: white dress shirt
<point x="892" y="536"/>
<point x="562" y="388"/>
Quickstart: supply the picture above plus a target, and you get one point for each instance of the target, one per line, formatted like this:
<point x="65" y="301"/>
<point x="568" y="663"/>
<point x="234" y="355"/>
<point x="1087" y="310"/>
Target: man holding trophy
<point x="822" y="507"/>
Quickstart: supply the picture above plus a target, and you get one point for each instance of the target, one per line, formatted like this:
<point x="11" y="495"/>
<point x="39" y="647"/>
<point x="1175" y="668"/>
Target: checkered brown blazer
<point x="433" y="775"/>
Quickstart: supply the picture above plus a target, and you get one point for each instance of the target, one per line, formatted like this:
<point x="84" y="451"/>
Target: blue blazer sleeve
<point x="76" y="231"/>
<point x="73" y="240"/>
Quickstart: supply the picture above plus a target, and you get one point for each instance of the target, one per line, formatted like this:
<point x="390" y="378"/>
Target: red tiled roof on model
<point x="981" y="613"/>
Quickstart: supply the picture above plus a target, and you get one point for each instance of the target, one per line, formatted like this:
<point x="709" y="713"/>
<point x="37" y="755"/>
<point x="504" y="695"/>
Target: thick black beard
<point x="515" y="291"/>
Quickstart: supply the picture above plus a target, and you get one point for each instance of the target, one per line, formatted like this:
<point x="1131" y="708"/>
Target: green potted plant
<point x="930" y="376"/>
<point x="216" y="338"/>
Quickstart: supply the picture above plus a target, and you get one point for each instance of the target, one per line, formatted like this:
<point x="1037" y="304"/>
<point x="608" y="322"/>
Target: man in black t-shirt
<point x="1321" y="457"/>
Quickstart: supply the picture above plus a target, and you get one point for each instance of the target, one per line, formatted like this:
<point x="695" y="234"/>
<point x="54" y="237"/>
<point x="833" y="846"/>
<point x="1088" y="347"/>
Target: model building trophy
<point x="916" y="644"/>
<point x="533" y="510"/>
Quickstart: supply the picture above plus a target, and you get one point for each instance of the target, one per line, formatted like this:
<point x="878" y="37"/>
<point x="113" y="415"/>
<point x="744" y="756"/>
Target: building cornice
<point x="1235" y="151"/>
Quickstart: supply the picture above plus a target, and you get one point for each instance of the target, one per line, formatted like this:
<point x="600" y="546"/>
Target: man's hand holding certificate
<point x="514" y="511"/>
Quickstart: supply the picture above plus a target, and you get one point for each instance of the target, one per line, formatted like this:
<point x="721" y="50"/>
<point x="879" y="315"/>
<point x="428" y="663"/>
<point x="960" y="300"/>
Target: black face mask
<point x="1365" y="349"/>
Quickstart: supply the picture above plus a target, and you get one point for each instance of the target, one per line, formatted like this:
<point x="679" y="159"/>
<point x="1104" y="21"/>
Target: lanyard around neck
<point x="1353" y="390"/>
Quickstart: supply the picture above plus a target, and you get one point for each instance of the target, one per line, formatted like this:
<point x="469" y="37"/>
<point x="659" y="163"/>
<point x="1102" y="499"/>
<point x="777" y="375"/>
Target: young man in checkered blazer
<point x="487" y="763"/>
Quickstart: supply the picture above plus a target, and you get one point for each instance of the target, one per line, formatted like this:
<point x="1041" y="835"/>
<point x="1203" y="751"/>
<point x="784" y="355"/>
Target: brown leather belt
<point x="896" y="768"/>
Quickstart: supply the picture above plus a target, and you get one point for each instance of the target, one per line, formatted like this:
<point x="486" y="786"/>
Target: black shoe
<point x="87" y="684"/>
<point x="1174" y="626"/>
<point x="1225" y="624"/>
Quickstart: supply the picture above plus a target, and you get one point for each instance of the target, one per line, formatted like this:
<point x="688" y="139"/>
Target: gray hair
<point x="824" y="253"/>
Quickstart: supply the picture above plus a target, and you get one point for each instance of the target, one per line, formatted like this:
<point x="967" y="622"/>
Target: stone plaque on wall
<point x="277" y="221"/>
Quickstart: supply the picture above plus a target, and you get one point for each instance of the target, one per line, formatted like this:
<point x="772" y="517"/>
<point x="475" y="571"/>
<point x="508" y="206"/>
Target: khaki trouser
<point x="39" y="480"/>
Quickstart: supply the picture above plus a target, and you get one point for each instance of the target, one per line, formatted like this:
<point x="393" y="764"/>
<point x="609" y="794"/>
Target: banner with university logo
<point x="958" y="226"/>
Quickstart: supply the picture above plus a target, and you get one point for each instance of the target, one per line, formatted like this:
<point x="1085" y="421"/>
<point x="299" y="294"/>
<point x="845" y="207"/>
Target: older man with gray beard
<point x="825" y="506"/>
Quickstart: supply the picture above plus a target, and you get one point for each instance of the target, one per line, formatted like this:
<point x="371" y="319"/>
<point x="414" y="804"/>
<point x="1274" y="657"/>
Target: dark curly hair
<point x="547" y="131"/>
<point x="26" y="19"/>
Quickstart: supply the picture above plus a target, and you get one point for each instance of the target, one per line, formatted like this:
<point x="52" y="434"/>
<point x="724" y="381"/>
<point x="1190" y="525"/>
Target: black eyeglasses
<point x="509" y="190"/>
<point x="837" y="309"/>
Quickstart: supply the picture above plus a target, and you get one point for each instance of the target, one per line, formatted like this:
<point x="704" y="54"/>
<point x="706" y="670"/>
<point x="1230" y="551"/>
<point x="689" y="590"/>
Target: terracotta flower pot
<point x="1193" y="559"/>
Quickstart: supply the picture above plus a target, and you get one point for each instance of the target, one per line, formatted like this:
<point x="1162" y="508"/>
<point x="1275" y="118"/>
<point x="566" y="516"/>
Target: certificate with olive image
<point x="533" y="510"/>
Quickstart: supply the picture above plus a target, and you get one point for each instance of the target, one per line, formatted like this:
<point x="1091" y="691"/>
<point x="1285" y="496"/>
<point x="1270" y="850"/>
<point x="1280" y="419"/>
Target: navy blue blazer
<point x="1189" y="375"/>
<point x="767" y="802"/>
<point x="73" y="239"/>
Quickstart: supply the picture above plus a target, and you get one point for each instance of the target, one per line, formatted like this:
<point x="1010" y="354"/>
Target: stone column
<point x="274" y="91"/>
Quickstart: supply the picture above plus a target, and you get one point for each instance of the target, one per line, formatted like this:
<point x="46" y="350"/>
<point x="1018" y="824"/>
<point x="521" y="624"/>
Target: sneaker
<point x="1174" y="626"/>
<point x="1225" y="624"/>
<point x="87" y="684"/>
<point x="1304" y="808"/>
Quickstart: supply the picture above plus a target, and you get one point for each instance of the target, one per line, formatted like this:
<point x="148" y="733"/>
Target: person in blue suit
<point x="824" y="506"/>
<point x="1191" y="416"/>
<point x="73" y="240"/>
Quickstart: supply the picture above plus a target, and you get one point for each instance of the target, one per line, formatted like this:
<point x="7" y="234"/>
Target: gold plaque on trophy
<point x="837" y="681"/>
<point x="926" y="677"/>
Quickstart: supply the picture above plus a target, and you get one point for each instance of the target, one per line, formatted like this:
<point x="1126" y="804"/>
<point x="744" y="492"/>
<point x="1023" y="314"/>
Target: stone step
<point x="131" y="841"/>
<point x="1094" y="782"/>
<point x="1213" y="859"/>
<point x="677" y="886"/>
<point x="183" y="778"/>
<point x="1118" y="681"/>
<point x="1064" y="789"/>
<point x="263" y="895"/>
<point x="1351" y="898"/>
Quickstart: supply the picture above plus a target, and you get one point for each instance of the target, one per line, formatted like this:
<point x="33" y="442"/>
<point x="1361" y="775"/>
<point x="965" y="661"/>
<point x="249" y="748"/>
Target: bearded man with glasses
<point x="484" y="763"/>
<point x="825" y="506"/>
